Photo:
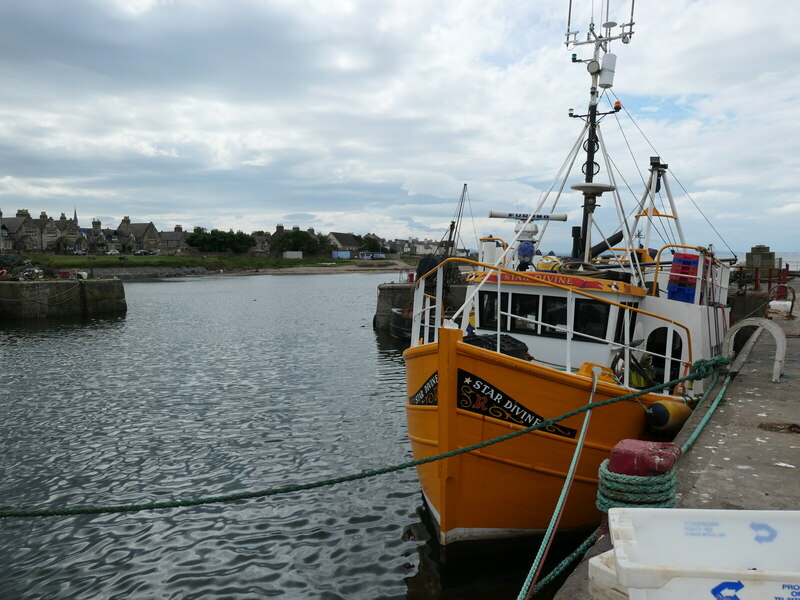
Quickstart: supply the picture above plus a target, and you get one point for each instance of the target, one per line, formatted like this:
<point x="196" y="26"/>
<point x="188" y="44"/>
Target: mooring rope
<point x="544" y="547"/>
<point x="700" y="369"/>
<point x="629" y="490"/>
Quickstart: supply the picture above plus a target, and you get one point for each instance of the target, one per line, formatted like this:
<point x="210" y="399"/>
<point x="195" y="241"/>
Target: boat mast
<point x="602" y="76"/>
<point x="455" y="227"/>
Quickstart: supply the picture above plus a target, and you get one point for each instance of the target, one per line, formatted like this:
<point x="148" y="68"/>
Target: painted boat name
<point x="477" y="396"/>
<point x="428" y="393"/>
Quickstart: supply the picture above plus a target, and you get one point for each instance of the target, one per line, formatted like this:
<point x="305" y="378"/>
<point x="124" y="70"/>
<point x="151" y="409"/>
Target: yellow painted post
<point x="448" y="382"/>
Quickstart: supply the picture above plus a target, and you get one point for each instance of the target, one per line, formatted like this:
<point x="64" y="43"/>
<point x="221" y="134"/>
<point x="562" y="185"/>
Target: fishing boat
<point x="633" y="306"/>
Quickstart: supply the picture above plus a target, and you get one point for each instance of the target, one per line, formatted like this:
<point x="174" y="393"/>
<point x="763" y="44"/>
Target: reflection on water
<point x="212" y="386"/>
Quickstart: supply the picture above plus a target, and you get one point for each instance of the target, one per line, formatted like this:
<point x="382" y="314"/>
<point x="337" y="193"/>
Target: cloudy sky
<point x="370" y="115"/>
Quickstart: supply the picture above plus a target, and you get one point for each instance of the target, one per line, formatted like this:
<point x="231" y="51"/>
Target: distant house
<point x="343" y="241"/>
<point x="19" y="232"/>
<point x="400" y="246"/>
<point x="377" y="238"/>
<point x="70" y="233"/>
<point x="138" y="236"/>
<point x="47" y="233"/>
<point x="101" y="240"/>
<point x="173" y="242"/>
<point x="22" y="232"/>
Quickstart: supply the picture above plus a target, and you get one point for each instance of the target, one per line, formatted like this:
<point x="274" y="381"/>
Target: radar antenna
<point x="605" y="35"/>
<point x="601" y="67"/>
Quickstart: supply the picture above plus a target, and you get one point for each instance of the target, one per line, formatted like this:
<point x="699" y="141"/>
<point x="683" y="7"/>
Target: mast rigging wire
<point x="702" y="214"/>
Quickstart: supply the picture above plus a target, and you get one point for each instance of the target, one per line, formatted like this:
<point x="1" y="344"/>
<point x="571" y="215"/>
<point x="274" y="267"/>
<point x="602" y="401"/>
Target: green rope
<point x="706" y="417"/>
<point x="125" y="508"/>
<point x="614" y="489"/>
<point x="664" y="485"/>
<point x="561" y="567"/>
<point x="526" y="592"/>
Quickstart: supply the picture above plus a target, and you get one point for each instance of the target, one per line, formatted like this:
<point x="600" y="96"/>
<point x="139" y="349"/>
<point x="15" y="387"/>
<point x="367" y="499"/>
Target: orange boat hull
<point x="459" y="395"/>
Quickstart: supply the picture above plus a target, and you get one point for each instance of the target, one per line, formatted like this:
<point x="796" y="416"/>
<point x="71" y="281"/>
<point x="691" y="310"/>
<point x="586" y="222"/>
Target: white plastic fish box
<point x="668" y="553"/>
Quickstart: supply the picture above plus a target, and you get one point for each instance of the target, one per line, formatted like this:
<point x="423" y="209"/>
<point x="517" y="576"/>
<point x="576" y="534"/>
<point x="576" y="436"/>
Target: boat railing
<point x="757" y="276"/>
<point x="425" y="331"/>
<point x="684" y="365"/>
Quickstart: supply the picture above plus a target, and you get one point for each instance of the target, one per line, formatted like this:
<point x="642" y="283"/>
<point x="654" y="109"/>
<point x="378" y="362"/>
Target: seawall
<point x="146" y="272"/>
<point x="55" y="299"/>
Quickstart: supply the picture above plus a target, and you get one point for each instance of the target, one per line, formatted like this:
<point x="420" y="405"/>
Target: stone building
<point x="18" y="232"/>
<point x="174" y="242"/>
<point x="70" y="233"/>
<point x="138" y="236"/>
<point x="23" y="233"/>
<point x="47" y="233"/>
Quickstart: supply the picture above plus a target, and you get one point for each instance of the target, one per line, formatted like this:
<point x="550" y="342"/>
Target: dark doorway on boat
<point x="657" y="344"/>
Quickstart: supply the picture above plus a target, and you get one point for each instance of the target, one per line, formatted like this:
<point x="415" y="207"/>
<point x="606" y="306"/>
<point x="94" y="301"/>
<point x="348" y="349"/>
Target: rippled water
<point x="212" y="386"/>
<point x="208" y="386"/>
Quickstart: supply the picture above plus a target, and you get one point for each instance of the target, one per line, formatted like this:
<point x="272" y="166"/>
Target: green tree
<point x="370" y="244"/>
<point x="242" y="242"/>
<point x="295" y="240"/>
<point x="325" y="244"/>
<point x="220" y="241"/>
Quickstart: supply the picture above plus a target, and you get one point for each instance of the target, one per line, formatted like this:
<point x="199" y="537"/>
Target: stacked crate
<point x="683" y="277"/>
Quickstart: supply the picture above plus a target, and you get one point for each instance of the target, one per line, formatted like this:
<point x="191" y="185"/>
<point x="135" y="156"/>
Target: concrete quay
<point x="748" y="455"/>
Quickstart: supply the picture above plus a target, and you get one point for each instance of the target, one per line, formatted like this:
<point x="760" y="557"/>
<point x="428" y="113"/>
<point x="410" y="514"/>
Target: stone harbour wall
<point x="55" y="299"/>
<point x="147" y="272"/>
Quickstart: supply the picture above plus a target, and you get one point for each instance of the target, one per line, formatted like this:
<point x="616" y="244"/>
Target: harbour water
<point x="211" y="386"/>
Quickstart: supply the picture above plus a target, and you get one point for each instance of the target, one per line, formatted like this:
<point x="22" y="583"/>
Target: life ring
<point x="3" y="272"/>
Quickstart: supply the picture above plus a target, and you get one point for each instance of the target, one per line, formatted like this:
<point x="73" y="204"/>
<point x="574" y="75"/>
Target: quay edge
<point x="22" y="300"/>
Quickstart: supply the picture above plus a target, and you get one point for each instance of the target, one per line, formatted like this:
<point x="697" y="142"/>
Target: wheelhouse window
<point x="591" y="318"/>
<point x="488" y="310"/>
<point x="533" y="314"/>
<point x="525" y="313"/>
<point x="619" y="333"/>
<point x="554" y="313"/>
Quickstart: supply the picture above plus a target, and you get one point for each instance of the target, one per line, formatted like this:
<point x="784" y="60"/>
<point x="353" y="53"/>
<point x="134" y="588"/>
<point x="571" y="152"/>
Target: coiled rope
<point x="614" y="489"/>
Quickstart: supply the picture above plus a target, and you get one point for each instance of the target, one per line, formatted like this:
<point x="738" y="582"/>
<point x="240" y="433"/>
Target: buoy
<point x="668" y="415"/>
